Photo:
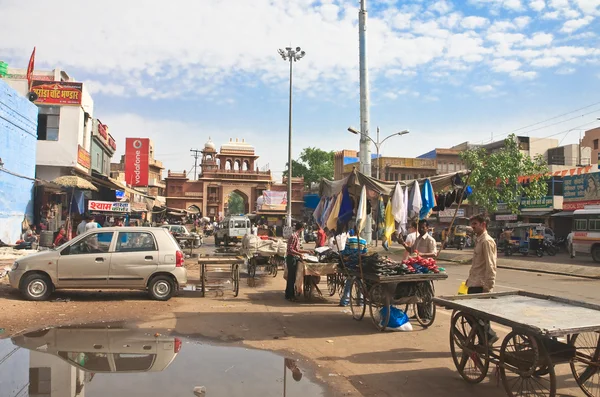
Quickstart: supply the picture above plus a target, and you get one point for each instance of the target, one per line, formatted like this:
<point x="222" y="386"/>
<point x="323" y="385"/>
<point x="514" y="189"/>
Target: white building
<point x="64" y="130"/>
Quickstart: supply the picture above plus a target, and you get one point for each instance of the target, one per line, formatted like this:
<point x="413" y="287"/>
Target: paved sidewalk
<point x="560" y="264"/>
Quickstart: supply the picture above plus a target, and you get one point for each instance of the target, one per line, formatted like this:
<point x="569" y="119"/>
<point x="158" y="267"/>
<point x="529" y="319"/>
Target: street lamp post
<point x="291" y="55"/>
<point x="378" y="143"/>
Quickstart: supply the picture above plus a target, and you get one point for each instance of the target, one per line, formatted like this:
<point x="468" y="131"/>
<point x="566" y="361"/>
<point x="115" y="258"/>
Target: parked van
<point x="232" y="229"/>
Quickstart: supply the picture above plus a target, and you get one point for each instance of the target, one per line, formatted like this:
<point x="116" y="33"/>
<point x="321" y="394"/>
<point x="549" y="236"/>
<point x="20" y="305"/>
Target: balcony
<point x="214" y="200"/>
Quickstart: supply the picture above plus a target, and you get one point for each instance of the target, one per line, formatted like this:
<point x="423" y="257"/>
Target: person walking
<point x="294" y="254"/>
<point x="91" y="224"/>
<point x="482" y="276"/>
<point x="570" y="245"/>
<point x="81" y="227"/>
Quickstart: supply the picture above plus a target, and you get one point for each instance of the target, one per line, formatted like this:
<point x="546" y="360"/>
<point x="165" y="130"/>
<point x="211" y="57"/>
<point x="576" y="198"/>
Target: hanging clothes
<point x="398" y="204"/>
<point x="346" y="208"/>
<point x="390" y="224"/>
<point x="403" y="225"/>
<point x="319" y="211"/>
<point x="415" y="202"/>
<point x="330" y="204"/>
<point x="380" y="217"/>
<point x="361" y="213"/>
<point x="335" y="212"/>
<point x="427" y="200"/>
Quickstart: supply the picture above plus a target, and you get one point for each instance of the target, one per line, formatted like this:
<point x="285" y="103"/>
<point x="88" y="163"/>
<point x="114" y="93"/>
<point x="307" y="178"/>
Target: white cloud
<point x="537" y="5"/>
<point x="546" y="62"/>
<point x="505" y="65"/>
<point x="389" y="95"/>
<point x="105" y="88"/>
<point x="474" y="22"/>
<point x="482" y="89"/>
<point x="524" y="75"/>
<point x="522" y="22"/>
<point x="402" y="20"/>
<point x="539" y="40"/>
<point x="588" y="7"/>
<point x="565" y="71"/>
<point x="431" y="98"/>
<point x="553" y="15"/>
<point x="441" y="7"/>
<point x="575" y="24"/>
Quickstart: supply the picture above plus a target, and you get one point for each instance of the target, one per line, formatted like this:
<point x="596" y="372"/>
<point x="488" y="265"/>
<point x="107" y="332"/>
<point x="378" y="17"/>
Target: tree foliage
<point x="236" y="204"/>
<point x="313" y="164"/>
<point x="495" y="176"/>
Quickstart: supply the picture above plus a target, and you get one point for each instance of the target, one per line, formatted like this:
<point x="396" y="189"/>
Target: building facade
<point x="591" y="139"/>
<point x="18" y="129"/>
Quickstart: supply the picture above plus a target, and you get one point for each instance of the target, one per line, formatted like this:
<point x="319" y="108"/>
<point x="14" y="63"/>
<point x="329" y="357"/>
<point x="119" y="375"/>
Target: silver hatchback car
<point x="145" y="258"/>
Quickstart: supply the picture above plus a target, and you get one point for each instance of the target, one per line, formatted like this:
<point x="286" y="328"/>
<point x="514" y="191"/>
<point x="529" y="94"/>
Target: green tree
<point x="495" y="176"/>
<point x="236" y="204"/>
<point x="313" y="164"/>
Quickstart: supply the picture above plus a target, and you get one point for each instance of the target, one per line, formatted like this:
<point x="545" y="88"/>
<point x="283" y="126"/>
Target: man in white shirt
<point x="81" y="227"/>
<point x="424" y="244"/>
<point x="570" y="244"/>
<point x="410" y="238"/>
<point x="92" y="224"/>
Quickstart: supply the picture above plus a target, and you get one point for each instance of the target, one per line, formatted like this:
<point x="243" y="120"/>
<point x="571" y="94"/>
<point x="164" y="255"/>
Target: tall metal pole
<point x="289" y="181"/>
<point x="377" y="146"/>
<point x="365" y="152"/>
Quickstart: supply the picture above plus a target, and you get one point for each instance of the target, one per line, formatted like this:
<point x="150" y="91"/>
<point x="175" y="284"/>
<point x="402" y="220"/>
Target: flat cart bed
<point x="528" y="354"/>
<point x="379" y="292"/>
<point x="310" y="272"/>
<point x="215" y="265"/>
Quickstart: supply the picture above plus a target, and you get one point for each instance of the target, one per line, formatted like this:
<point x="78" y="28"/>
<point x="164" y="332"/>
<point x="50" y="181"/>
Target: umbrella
<point x="72" y="181"/>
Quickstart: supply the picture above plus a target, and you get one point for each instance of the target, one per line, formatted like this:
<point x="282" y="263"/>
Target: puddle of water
<point x="101" y="361"/>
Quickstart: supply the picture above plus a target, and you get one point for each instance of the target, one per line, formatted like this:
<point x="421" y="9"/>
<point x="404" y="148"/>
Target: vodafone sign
<point x="137" y="151"/>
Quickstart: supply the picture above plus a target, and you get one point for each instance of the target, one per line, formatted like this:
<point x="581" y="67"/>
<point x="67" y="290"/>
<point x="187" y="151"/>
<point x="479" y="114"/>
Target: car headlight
<point x="15" y="266"/>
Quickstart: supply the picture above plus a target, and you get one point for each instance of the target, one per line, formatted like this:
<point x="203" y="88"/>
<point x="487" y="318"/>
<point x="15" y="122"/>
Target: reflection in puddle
<point x="102" y="361"/>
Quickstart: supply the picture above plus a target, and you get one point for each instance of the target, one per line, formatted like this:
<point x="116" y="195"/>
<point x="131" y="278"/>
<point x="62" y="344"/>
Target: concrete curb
<point x="547" y="271"/>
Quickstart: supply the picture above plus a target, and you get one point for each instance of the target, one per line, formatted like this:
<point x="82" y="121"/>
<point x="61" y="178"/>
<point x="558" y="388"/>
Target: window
<point x="40" y="382"/>
<point x="240" y="224"/>
<point x="581" y="224"/>
<point x="594" y="225"/>
<point x="595" y="144"/>
<point x="97" y="243"/>
<point x="451" y="167"/>
<point x="133" y="362"/>
<point x="135" y="242"/>
<point x="48" y="121"/>
<point x="94" y="362"/>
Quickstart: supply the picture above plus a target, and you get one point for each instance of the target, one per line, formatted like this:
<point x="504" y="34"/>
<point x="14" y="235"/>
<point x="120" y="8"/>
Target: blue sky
<point x="450" y="71"/>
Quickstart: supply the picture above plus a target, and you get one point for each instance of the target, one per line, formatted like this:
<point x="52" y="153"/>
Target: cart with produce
<point x="384" y="283"/>
<point x="217" y="271"/>
<point x="546" y="331"/>
<point x="267" y="253"/>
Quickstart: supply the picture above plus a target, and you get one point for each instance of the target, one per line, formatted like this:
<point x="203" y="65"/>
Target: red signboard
<point x="83" y="157"/>
<point x="112" y="143"/>
<point x="578" y="205"/>
<point x="102" y="130"/>
<point x="57" y="92"/>
<point x="137" y="151"/>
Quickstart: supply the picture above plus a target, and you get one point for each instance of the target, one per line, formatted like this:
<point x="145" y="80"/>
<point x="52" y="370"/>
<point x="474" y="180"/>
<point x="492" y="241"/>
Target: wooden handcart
<point x="546" y="331"/>
<point x="271" y="263"/>
<point x="312" y="272"/>
<point x="379" y="292"/>
<point x="215" y="270"/>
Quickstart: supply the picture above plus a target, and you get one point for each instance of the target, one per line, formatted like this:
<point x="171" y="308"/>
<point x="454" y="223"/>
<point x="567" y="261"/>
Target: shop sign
<point x="137" y="151"/>
<point x="543" y="202"/>
<point x="581" y="190"/>
<point x="119" y="194"/>
<point x="108" y="206"/>
<point x="112" y="143"/>
<point x="449" y="213"/>
<point x="272" y="219"/>
<point x="83" y="157"/>
<point x="102" y="130"/>
<point x="57" y="92"/>
<point x="506" y="217"/>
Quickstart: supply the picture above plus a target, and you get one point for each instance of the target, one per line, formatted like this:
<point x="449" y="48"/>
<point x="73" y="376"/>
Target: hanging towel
<point x="427" y="199"/>
<point x="415" y="202"/>
<point x="404" y="222"/>
<point x="330" y="204"/>
<point x="335" y="212"/>
<point x="361" y="213"/>
<point x="390" y="223"/>
<point x="381" y="217"/>
<point x="398" y="203"/>
<point x="319" y="211"/>
<point x="346" y="208"/>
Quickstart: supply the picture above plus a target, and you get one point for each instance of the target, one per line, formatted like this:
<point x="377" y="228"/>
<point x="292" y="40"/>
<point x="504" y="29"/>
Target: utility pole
<point x="365" y="152"/>
<point x="195" y="155"/>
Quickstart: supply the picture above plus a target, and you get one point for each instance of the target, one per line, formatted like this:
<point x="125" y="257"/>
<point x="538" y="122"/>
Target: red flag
<point x="30" y="68"/>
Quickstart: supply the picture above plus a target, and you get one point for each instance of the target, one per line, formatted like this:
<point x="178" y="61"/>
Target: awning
<point x="113" y="184"/>
<point x="74" y="181"/>
<point x="564" y="214"/>
<point x="535" y="213"/>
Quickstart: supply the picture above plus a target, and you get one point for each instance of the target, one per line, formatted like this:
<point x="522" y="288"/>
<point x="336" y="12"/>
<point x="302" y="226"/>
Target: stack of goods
<point x="423" y="265"/>
<point x="329" y="256"/>
<point x="384" y="266"/>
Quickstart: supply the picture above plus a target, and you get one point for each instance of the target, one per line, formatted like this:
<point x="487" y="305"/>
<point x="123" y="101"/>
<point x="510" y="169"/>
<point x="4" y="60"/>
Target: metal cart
<point x="380" y="292"/>
<point x="215" y="270"/>
<point x="546" y="331"/>
<point x="271" y="262"/>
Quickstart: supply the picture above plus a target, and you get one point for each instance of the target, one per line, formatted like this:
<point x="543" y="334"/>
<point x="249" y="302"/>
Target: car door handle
<point x="149" y="258"/>
<point x="99" y="259"/>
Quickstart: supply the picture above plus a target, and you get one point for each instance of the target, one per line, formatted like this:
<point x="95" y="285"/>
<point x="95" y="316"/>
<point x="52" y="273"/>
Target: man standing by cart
<point x="482" y="276"/>
<point x="294" y="254"/>
<point x="424" y="244"/>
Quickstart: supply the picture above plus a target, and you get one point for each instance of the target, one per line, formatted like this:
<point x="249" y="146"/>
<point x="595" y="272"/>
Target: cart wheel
<point x="341" y="283"/>
<point x="358" y="303"/>
<point x="425" y="311"/>
<point x="469" y="347"/>
<point x="586" y="363"/>
<point x="236" y="280"/>
<point x="331" y="284"/>
<point x="379" y="299"/>
<point x="308" y="288"/>
<point x="252" y="268"/>
<point x="274" y="269"/>
<point x="525" y="367"/>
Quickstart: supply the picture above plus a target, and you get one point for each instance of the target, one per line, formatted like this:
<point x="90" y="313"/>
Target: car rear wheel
<point x="161" y="288"/>
<point x="36" y="287"/>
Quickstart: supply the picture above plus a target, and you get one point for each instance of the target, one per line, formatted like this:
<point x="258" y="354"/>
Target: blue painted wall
<point x="18" y="143"/>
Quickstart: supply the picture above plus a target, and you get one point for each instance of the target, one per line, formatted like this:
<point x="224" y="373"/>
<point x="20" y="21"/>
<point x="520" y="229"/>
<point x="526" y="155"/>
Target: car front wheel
<point x="161" y="288"/>
<point x="36" y="287"/>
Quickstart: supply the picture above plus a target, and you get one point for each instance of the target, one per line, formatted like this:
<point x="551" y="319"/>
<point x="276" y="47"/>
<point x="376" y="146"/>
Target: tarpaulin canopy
<point x="356" y="180"/>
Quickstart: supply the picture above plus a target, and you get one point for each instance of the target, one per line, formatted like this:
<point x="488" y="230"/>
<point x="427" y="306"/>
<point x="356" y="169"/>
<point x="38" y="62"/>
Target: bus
<point x="586" y="231"/>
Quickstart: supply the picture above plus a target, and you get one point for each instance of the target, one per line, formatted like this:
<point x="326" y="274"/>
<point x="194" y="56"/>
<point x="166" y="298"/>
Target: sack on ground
<point x="397" y="317"/>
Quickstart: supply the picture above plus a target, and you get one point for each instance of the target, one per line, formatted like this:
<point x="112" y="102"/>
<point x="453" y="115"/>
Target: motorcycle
<point x="549" y="247"/>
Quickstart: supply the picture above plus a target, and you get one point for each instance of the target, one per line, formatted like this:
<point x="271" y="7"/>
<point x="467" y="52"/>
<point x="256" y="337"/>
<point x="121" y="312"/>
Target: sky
<point x="180" y="72"/>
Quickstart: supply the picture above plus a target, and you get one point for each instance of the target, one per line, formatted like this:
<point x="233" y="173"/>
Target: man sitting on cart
<point x="294" y="254"/>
